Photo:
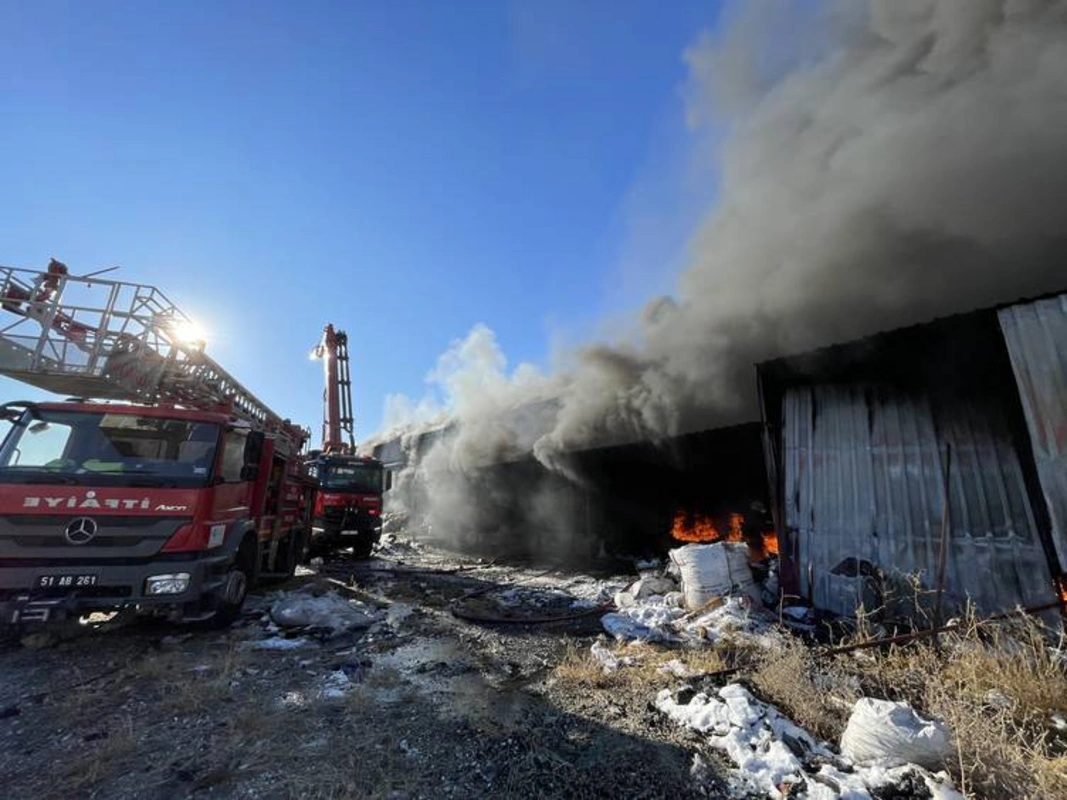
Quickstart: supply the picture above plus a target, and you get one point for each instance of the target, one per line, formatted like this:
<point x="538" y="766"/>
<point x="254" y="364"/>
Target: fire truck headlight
<point x="166" y="584"/>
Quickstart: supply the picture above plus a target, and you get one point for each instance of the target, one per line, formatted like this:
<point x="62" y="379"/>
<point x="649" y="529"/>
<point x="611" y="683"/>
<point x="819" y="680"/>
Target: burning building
<point x="637" y="498"/>
<point x="867" y="440"/>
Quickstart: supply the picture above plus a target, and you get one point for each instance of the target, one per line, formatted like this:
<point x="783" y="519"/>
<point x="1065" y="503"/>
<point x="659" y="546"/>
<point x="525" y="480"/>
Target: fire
<point x="692" y="527"/>
<point x="770" y="543"/>
<point x="699" y="528"/>
<point x="763" y="546"/>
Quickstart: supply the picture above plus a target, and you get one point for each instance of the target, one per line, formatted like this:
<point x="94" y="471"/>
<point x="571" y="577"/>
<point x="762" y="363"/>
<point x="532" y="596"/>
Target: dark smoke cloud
<point x="907" y="164"/>
<point x="885" y="162"/>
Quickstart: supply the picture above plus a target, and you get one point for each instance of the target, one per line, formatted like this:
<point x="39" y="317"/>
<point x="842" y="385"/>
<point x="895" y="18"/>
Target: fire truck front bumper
<point x="340" y="523"/>
<point x="171" y="587"/>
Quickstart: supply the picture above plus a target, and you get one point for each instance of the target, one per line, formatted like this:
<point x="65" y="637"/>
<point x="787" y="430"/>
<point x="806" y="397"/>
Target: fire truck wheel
<point x="296" y="552"/>
<point x="239" y="579"/>
<point x="362" y="547"/>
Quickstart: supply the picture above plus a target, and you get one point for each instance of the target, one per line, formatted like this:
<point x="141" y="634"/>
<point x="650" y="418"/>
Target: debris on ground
<point x="336" y="685"/>
<point x="369" y="656"/>
<point x="674" y="668"/>
<point x="280" y="643"/>
<point x="329" y="612"/>
<point x="608" y="660"/>
<point x="655" y="619"/>
<point x="776" y="757"/>
<point x="39" y="640"/>
<point x="891" y="733"/>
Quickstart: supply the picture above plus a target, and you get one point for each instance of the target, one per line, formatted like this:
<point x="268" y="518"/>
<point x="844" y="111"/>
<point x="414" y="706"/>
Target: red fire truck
<point x="348" y="506"/>
<point x="172" y="491"/>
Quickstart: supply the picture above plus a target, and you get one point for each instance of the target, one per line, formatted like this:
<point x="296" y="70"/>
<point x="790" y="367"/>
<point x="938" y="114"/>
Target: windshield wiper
<point x="119" y="472"/>
<point x="36" y="477"/>
<point x="138" y="477"/>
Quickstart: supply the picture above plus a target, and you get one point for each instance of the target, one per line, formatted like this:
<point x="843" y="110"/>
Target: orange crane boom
<point x="337" y="395"/>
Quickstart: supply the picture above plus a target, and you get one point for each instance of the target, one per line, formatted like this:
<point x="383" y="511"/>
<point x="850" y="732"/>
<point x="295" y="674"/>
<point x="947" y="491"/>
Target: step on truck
<point x="162" y="486"/>
<point x="349" y="502"/>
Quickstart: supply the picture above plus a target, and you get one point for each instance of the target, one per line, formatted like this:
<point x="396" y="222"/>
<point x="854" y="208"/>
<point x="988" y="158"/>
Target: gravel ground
<point x="423" y="703"/>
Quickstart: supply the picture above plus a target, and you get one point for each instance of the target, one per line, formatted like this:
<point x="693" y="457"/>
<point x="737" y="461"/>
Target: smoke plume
<point x="883" y="163"/>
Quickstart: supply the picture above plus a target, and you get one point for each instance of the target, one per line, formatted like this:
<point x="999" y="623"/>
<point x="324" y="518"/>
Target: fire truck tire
<point x="296" y="552"/>
<point x="362" y="547"/>
<point x="240" y="577"/>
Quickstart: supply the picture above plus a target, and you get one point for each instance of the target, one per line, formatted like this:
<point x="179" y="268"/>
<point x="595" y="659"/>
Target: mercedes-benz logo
<point x="80" y="530"/>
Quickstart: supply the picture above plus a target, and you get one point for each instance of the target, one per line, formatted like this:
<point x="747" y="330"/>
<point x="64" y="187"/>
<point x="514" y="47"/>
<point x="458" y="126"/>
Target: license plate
<point x="65" y="581"/>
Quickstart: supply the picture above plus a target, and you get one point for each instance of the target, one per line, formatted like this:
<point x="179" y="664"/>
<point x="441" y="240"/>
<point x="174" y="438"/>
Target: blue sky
<point x="402" y="169"/>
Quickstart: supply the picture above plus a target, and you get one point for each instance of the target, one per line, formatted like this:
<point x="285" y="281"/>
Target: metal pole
<point x="942" y="555"/>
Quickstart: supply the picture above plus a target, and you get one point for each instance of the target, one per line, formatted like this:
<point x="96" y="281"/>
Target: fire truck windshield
<point x="106" y="448"/>
<point x="351" y="477"/>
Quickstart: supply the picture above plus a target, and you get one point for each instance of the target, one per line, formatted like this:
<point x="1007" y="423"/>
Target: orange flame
<point x="690" y="527"/>
<point x="694" y="528"/>
<point x="766" y="546"/>
<point x="699" y="528"/>
<point x="770" y="543"/>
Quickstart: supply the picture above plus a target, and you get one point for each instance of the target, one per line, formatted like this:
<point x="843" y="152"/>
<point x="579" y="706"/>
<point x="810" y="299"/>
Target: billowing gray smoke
<point x="883" y="163"/>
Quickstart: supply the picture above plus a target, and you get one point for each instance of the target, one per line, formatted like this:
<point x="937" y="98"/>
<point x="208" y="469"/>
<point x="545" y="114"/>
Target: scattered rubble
<point x="280" y="643"/>
<point x="328" y="612"/>
<point x="359" y="657"/>
<point x="652" y="610"/>
<point x="773" y="756"/>
<point x="608" y="659"/>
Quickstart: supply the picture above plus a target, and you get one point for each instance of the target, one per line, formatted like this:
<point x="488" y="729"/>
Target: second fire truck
<point x="348" y="505"/>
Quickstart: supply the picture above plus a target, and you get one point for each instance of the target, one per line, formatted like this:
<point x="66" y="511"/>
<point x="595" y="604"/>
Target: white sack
<point x="888" y="733"/>
<point x="714" y="570"/>
<point x="299" y="609"/>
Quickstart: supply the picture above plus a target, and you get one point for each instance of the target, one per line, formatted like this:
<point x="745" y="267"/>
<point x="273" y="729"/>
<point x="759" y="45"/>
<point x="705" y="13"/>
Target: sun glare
<point x="189" y="332"/>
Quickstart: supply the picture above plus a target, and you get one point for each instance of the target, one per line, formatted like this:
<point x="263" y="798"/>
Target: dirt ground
<point x="423" y="703"/>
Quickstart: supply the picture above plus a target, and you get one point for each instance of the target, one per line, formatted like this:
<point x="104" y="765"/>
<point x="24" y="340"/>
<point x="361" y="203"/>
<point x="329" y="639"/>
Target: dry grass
<point x="818" y="696"/>
<point x="112" y="755"/>
<point x="579" y="669"/>
<point x="996" y="685"/>
<point x="997" y="689"/>
<point x="368" y="766"/>
<point x="186" y="693"/>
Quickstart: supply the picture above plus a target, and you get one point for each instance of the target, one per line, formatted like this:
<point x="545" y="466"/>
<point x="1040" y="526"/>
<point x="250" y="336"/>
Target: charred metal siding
<point x="863" y="477"/>
<point x="1036" y="335"/>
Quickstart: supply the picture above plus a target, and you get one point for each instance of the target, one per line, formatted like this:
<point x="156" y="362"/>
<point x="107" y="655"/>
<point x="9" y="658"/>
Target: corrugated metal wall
<point x="1036" y="335"/>
<point x="862" y="480"/>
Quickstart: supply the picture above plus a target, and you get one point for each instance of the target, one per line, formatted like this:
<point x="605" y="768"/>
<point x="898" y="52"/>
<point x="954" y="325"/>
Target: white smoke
<point x="885" y="162"/>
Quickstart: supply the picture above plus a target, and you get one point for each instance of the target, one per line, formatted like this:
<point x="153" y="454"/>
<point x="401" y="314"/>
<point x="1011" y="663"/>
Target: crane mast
<point x="337" y="423"/>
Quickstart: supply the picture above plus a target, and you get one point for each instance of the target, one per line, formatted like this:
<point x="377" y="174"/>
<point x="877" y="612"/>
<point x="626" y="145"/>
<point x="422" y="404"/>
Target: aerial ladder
<point x="173" y="497"/>
<point x="87" y="337"/>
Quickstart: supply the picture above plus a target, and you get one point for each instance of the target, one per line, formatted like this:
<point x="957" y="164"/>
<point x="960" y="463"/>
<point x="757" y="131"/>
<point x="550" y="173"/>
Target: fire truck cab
<point x="170" y="511"/>
<point x="348" y="505"/>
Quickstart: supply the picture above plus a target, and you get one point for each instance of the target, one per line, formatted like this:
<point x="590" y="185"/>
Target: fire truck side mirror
<point x="249" y="472"/>
<point x="388" y="479"/>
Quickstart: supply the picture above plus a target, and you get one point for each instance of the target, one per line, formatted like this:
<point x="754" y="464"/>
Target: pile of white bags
<point x="714" y="570"/>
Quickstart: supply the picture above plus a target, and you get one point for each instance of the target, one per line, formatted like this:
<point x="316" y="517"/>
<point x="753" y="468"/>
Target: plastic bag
<point x="889" y="733"/>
